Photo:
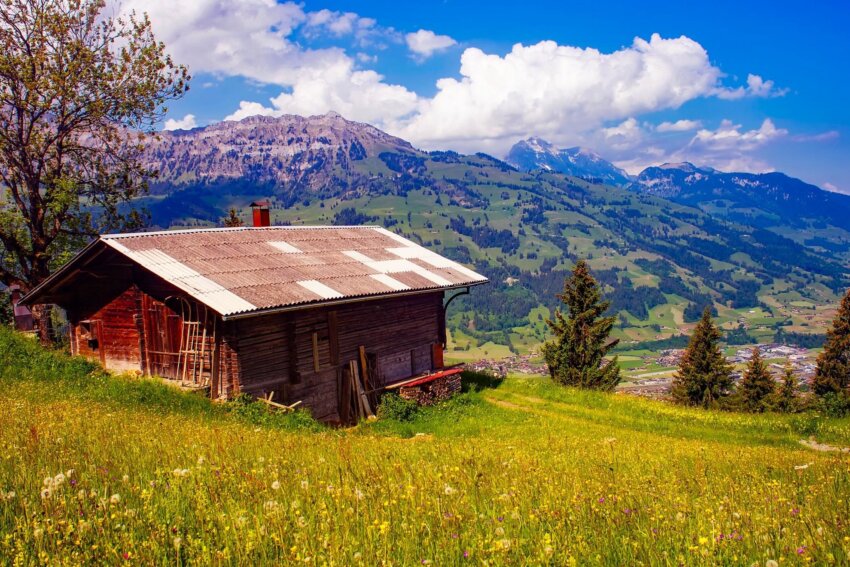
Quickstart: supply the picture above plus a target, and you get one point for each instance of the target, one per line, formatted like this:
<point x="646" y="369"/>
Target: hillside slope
<point x="661" y="261"/>
<point x="101" y="469"/>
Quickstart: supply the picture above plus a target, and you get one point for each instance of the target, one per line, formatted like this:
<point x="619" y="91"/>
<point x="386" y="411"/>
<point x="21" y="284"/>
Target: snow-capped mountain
<point x="536" y="153"/>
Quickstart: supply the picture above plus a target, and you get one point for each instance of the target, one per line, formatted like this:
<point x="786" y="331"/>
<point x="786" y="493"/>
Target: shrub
<point x="395" y="407"/>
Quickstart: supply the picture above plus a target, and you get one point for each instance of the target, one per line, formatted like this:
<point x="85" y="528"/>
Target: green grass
<point x="514" y="472"/>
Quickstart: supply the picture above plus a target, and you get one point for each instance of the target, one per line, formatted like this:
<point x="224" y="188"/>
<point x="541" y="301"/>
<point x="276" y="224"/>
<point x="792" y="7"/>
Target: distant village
<point x="802" y="362"/>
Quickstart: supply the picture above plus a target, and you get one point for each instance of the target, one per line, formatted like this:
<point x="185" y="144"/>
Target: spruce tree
<point x="576" y="354"/>
<point x="786" y="396"/>
<point x="757" y="385"/>
<point x="704" y="376"/>
<point x="833" y="369"/>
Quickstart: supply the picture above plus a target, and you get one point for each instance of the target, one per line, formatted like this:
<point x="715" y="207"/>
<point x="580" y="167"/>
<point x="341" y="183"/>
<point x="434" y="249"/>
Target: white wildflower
<point x="448" y="490"/>
<point x="276" y="485"/>
<point x="46" y="493"/>
<point x="115" y="499"/>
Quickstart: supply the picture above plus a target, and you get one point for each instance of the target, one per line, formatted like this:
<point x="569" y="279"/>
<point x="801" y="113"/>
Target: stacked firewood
<point x="432" y="392"/>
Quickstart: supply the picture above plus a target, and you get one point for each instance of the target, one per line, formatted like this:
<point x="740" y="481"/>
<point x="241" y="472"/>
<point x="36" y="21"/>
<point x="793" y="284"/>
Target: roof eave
<point x="344" y="301"/>
<point x="58" y="275"/>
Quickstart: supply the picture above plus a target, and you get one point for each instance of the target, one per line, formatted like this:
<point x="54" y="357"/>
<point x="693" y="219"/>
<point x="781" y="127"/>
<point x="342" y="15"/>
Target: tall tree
<point x="786" y="395"/>
<point x="576" y="355"/>
<point x="704" y="375"/>
<point x="833" y="368"/>
<point x="757" y="385"/>
<point x="79" y="90"/>
<point x="232" y="219"/>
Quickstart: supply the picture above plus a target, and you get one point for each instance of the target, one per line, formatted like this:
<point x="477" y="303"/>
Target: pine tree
<point x="576" y="354"/>
<point x="757" y="385"/>
<point x="232" y="220"/>
<point x="833" y="370"/>
<point x="703" y="376"/>
<point x="786" y="396"/>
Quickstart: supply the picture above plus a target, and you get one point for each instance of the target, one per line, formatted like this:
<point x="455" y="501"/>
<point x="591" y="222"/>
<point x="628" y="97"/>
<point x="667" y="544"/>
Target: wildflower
<point x="81" y="495"/>
<point x="505" y="544"/>
<point x="358" y="556"/>
<point x="201" y="460"/>
<point x="37" y="533"/>
<point x="46" y="493"/>
<point x="500" y="531"/>
<point x="771" y="563"/>
<point x="115" y="499"/>
<point x="358" y="494"/>
<point x="448" y="490"/>
<point x="276" y="485"/>
<point x="270" y="505"/>
<point x="58" y="480"/>
<point x="70" y="473"/>
<point x="466" y="554"/>
<point x="802" y="467"/>
<point x="177" y="542"/>
<point x="305" y="484"/>
<point x="801" y="550"/>
<point x="125" y="478"/>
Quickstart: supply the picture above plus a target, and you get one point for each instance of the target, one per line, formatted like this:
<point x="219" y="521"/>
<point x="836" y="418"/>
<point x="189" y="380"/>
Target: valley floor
<point x="98" y="469"/>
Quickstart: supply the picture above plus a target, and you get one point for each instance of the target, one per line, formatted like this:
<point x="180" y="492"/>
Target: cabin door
<point x="162" y="329"/>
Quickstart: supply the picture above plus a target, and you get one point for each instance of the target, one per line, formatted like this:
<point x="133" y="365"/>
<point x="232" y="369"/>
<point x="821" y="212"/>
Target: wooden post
<point x="315" y="352"/>
<point x="215" y="369"/>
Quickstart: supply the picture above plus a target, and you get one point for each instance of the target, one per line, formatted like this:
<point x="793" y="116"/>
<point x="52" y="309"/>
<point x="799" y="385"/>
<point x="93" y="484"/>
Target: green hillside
<point x="661" y="262"/>
<point x="119" y="470"/>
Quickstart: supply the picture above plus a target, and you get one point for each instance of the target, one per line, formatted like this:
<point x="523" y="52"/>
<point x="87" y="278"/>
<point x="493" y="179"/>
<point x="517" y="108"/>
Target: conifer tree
<point x="576" y="354"/>
<point x="704" y="376"/>
<point x="757" y="385"/>
<point x="786" y="396"/>
<point x="833" y="368"/>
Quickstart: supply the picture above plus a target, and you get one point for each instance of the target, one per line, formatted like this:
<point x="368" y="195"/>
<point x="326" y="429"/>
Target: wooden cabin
<point x="298" y="313"/>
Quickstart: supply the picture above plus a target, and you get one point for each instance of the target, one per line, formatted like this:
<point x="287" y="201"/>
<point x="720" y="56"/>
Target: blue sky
<point x="736" y="85"/>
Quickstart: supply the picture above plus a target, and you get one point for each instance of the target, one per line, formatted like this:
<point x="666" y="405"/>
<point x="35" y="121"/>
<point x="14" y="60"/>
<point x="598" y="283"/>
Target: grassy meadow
<point x="117" y="470"/>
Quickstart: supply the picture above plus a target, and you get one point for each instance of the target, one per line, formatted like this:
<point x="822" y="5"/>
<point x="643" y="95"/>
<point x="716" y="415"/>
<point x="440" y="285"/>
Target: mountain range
<point x="665" y="243"/>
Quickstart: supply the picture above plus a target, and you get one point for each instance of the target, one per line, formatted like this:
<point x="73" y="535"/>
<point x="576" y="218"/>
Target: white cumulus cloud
<point x="756" y="87"/>
<point x="425" y="43"/>
<point x="555" y="91"/>
<point x="186" y="123"/>
<point x="728" y="136"/>
<point x="679" y="126"/>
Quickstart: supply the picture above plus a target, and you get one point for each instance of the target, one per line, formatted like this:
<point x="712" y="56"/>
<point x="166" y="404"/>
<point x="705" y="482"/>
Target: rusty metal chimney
<point x="261" y="213"/>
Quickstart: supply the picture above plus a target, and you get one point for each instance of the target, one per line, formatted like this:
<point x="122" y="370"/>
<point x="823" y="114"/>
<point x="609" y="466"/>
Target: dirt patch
<point x="823" y="447"/>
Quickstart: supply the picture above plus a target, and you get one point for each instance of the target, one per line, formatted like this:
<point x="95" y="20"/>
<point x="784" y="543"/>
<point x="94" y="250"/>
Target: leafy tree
<point x="232" y="220"/>
<point x="704" y="376"/>
<point x="576" y="354"/>
<point x="757" y="385"/>
<point x="786" y="395"/>
<point x="80" y="90"/>
<point x="833" y="367"/>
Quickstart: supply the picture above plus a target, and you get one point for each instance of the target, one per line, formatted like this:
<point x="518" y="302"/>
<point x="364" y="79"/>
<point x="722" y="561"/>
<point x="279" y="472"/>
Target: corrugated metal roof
<point x="243" y="270"/>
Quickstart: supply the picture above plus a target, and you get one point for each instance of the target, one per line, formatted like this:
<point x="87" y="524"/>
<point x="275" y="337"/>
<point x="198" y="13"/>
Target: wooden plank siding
<point x="276" y="352"/>
<point x="298" y="355"/>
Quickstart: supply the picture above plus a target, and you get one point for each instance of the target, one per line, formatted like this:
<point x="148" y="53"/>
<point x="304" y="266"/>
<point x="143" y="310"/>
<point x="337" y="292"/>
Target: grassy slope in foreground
<point x="523" y="473"/>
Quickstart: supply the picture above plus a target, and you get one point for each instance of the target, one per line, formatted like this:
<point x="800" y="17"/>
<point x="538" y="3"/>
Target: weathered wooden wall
<point x="276" y="352"/>
<point x="298" y="355"/>
<point x="115" y="328"/>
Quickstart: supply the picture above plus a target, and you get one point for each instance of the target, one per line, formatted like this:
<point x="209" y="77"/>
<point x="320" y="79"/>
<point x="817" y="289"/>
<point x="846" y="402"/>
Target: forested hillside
<point x="661" y="261"/>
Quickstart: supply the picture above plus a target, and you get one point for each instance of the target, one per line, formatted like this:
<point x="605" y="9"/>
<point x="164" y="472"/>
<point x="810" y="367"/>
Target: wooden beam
<point x="315" y="352"/>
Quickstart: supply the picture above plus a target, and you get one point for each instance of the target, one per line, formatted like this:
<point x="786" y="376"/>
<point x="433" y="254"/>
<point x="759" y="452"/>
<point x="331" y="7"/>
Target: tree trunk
<point x="41" y="315"/>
